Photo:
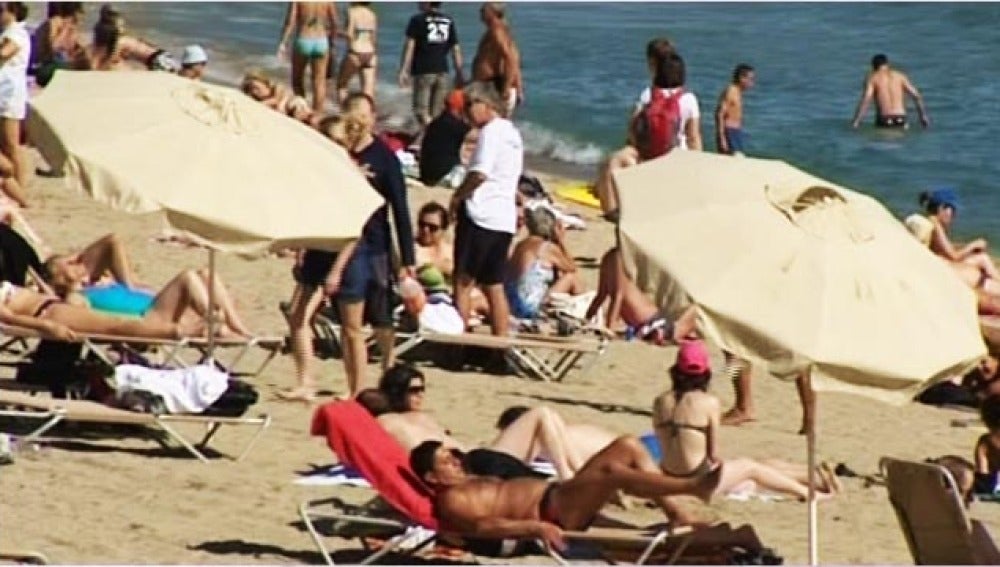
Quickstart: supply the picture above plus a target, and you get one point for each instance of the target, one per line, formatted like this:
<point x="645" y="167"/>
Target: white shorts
<point x="15" y="108"/>
<point x="511" y="100"/>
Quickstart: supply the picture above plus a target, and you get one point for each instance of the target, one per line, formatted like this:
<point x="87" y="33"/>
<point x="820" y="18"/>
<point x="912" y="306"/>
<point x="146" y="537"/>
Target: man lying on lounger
<point x="489" y="508"/>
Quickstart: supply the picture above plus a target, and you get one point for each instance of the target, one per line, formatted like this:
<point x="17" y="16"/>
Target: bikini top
<point x="675" y="427"/>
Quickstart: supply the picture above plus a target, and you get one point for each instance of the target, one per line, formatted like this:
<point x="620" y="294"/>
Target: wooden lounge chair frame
<point x="931" y="514"/>
<point x="55" y="411"/>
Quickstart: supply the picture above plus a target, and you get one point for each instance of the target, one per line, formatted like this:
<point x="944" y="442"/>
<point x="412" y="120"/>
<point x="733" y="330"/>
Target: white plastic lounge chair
<point x="54" y="411"/>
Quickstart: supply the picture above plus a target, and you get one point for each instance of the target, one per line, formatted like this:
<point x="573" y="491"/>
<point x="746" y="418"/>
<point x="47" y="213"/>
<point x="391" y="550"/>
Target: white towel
<point x="184" y="390"/>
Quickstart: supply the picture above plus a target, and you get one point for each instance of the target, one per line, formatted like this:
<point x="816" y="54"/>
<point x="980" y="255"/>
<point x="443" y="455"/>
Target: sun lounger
<point x="360" y="441"/>
<point x="932" y="516"/>
<point x="22" y="557"/>
<point x="171" y="351"/>
<point x="54" y="411"/>
<point x="544" y="357"/>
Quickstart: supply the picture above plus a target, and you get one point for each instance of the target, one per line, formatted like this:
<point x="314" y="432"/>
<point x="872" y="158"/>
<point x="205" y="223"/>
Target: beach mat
<point x="579" y="193"/>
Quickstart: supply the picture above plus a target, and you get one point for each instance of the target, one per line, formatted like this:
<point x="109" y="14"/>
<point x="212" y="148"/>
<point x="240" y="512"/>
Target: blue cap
<point x="946" y="196"/>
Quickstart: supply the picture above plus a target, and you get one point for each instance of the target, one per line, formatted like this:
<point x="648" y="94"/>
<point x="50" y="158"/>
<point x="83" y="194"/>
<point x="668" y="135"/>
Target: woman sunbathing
<point x="540" y="429"/>
<point x="687" y="420"/>
<point x="278" y="97"/>
<point x="180" y="307"/>
<point x="540" y="265"/>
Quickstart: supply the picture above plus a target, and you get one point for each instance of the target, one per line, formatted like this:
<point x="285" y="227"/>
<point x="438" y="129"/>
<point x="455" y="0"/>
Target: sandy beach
<point x="98" y="496"/>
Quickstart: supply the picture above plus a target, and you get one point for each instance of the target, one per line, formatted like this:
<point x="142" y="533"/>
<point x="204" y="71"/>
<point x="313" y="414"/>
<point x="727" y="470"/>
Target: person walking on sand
<point x="15" y="52"/>
<point x="497" y="58"/>
<point x="361" y="58"/>
<point x="315" y="25"/>
<point x="729" y="135"/>
<point x="485" y="206"/>
<point x="430" y="35"/>
<point x="888" y="86"/>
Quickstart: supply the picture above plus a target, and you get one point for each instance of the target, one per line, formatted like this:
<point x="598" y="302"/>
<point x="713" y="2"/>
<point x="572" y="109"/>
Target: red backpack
<point x="658" y="124"/>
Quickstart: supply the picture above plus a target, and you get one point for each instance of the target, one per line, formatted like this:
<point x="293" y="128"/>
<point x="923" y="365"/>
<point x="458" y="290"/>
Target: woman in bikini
<point x="277" y="97"/>
<point x="539" y="266"/>
<point x="182" y="304"/>
<point x="315" y="25"/>
<point x="537" y="430"/>
<point x="687" y="419"/>
<point x="112" y="47"/>
<point x="971" y="262"/>
<point x="361" y="59"/>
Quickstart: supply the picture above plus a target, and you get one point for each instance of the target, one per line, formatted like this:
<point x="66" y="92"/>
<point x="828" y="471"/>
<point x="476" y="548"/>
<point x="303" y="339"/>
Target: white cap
<point x="193" y="55"/>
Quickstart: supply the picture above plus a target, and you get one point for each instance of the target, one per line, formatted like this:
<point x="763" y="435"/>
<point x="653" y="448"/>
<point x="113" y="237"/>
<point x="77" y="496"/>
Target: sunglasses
<point x="416" y="390"/>
<point x="429" y="226"/>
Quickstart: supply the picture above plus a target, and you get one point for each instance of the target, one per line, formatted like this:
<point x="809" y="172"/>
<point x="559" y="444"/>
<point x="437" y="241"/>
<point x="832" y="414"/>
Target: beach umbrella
<point x="226" y="171"/>
<point x="797" y="274"/>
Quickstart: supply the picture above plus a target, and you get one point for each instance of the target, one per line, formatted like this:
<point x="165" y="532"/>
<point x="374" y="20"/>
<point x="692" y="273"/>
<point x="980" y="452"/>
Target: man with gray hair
<point x="485" y="205"/>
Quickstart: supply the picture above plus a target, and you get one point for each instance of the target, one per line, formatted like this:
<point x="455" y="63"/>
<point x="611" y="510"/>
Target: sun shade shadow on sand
<point x="601" y="407"/>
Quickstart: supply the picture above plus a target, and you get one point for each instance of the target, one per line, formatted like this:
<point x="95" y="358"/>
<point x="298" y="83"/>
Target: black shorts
<point x="315" y="267"/>
<point x="480" y="253"/>
<point x="367" y="278"/>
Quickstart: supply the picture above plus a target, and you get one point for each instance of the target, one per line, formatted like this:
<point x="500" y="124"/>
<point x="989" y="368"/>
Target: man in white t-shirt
<point x="485" y="205"/>
<point x="15" y="53"/>
<point x="669" y="75"/>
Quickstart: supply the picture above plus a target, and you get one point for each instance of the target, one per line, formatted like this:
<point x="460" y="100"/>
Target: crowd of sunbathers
<point x="469" y="144"/>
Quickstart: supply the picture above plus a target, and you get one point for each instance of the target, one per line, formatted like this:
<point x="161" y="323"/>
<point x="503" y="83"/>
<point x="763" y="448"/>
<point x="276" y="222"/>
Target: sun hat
<point x="692" y="358"/>
<point x="431" y="278"/>
<point x="946" y="196"/>
<point x="193" y="55"/>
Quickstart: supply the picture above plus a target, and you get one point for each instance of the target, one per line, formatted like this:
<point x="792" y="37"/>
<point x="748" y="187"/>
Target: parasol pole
<point x="210" y="316"/>
<point x="811" y="463"/>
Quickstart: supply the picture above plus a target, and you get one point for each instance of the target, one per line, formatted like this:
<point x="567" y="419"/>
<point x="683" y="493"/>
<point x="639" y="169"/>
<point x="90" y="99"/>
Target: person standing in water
<point x="729" y="136"/>
<point x="888" y="86"/>
<point x="497" y="59"/>
<point x="361" y="58"/>
<point x="315" y="25"/>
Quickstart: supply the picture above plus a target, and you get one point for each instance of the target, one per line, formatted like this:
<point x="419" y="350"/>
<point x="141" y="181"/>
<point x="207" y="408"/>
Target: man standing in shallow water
<point x="729" y="135"/>
<point x="497" y="59"/>
<point x="888" y="86"/>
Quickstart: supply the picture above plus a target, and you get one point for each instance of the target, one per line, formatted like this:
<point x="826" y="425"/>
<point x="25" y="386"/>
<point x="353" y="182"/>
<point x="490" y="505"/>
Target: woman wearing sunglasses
<point x="400" y="410"/>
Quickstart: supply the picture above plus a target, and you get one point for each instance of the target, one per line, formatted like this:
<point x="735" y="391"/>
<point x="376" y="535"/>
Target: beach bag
<point x="235" y="401"/>
<point x="658" y="124"/>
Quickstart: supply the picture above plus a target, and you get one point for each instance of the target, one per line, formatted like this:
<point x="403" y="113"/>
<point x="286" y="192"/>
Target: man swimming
<point x="888" y="86"/>
<point x="729" y="135"/>
<point x="497" y="58"/>
<point x="487" y="507"/>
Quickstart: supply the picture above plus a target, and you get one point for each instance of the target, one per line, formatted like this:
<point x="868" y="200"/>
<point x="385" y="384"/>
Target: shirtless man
<point x="633" y="308"/>
<point x="486" y="507"/>
<point x="729" y="136"/>
<point x="497" y="58"/>
<point x="888" y="86"/>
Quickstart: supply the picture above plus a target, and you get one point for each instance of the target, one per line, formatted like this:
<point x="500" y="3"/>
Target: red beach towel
<point x="359" y="441"/>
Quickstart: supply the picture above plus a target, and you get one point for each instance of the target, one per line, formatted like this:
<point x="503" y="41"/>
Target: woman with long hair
<point x="687" y="420"/>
